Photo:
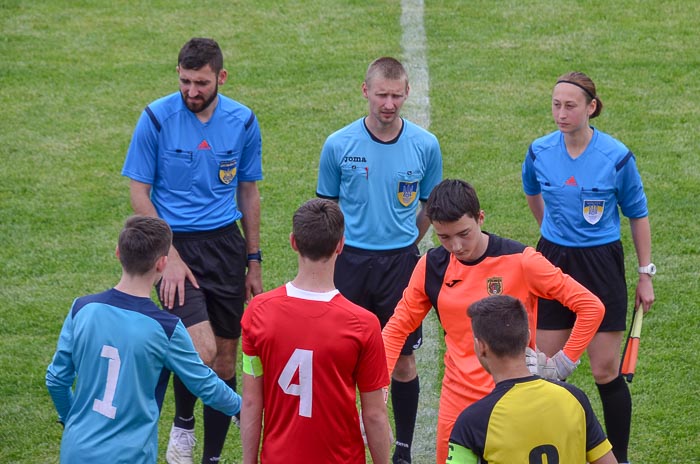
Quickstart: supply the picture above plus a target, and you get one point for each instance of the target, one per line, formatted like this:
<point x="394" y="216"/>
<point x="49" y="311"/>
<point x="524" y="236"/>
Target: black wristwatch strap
<point x="255" y="256"/>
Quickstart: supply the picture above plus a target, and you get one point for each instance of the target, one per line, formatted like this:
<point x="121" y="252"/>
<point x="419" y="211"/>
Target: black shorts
<point x="218" y="260"/>
<point x="601" y="269"/>
<point x="376" y="280"/>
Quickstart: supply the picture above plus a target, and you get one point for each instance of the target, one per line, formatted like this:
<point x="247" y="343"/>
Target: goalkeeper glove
<point x="531" y="360"/>
<point x="557" y="367"/>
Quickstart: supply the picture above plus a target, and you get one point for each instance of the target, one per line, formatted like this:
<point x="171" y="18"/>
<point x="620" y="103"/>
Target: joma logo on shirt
<point x="354" y="159"/>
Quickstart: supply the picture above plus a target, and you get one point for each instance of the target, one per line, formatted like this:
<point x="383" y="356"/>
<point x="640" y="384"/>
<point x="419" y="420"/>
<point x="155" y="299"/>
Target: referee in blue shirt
<point x="380" y="168"/>
<point x="194" y="160"/>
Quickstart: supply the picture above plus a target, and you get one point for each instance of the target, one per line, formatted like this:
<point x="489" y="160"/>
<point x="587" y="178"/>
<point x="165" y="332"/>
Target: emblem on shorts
<point x="593" y="210"/>
<point x="407" y="192"/>
<point x="227" y="171"/>
<point x="494" y="285"/>
<point x="418" y="343"/>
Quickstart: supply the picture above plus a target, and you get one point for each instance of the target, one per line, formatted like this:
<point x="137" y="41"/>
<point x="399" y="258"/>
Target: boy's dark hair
<point x="318" y="227"/>
<point x="450" y="200"/>
<point x="501" y="322"/>
<point x="199" y="52"/>
<point x="143" y="241"/>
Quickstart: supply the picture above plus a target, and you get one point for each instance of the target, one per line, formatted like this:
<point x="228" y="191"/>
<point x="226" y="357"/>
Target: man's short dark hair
<point x="386" y="67"/>
<point x="501" y="322"/>
<point x="318" y="227"/>
<point x="199" y="52"/>
<point x="450" y="200"/>
<point x="143" y="241"/>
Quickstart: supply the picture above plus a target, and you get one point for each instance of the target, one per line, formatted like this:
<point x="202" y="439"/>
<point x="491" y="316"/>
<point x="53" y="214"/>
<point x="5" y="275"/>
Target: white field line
<point x="417" y="109"/>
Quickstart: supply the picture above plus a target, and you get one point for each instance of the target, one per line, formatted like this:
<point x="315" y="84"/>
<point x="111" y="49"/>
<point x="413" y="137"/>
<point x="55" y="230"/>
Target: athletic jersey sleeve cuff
<point x="598" y="451"/>
<point x="138" y="178"/>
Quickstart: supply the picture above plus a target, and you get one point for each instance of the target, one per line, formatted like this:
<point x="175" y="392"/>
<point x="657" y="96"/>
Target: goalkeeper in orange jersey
<point x="470" y="265"/>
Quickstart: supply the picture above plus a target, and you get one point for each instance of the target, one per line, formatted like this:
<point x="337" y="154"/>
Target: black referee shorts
<point x="376" y="280"/>
<point x="601" y="269"/>
<point x="218" y="260"/>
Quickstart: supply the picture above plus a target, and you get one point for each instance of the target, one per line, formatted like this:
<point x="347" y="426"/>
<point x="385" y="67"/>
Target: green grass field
<point x="74" y="77"/>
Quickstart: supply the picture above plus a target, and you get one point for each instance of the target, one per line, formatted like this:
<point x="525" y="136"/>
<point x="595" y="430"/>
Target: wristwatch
<point x="648" y="269"/>
<point x="255" y="256"/>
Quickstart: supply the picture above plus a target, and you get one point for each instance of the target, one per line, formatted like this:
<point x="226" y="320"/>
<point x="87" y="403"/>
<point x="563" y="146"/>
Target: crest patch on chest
<point x="593" y="210"/>
<point x="407" y="192"/>
<point x="494" y="285"/>
<point x="227" y="171"/>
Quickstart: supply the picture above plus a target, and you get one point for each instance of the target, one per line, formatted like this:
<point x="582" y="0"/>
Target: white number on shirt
<point x="104" y="406"/>
<point x="301" y="360"/>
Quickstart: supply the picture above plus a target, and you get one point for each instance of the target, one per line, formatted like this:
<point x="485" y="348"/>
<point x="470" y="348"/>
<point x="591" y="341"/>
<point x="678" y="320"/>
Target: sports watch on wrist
<point x="648" y="269"/>
<point x="257" y="256"/>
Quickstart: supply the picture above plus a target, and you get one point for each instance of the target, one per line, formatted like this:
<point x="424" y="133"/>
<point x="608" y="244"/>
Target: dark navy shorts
<point x="218" y="260"/>
<point x="376" y="280"/>
<point x="601" y="269"/>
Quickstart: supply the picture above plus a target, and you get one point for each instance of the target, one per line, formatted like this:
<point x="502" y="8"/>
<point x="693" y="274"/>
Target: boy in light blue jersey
<point x="380" y="168"/>
<point x="122" y="347"/>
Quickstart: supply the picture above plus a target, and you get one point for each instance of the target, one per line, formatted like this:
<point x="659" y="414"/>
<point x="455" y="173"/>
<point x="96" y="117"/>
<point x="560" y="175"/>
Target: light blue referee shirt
<point x="122" y="349"/>
<point x="379" y="185"/>
<point x="193" y="167"/>
<point x="581" y="195"/>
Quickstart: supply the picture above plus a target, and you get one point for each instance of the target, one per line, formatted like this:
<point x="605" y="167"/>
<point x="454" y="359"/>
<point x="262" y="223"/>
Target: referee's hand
<point x="172" y="285"/>
<point x="253" y="280"/>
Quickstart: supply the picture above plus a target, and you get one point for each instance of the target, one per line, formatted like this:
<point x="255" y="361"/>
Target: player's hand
<point x="546" y="368"/>
<point x="558" y="367"/>
<point x="173" y="281"/>
<point x="564" y="365"/>
<point x="253" y="280"/>
<point x="531" y="360"/>
<point x="644" y="294"/>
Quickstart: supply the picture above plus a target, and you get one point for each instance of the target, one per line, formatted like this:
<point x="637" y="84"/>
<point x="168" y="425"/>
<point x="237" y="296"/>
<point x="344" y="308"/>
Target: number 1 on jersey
<point x="105" y="406"/>
<point x="301" y="360"/>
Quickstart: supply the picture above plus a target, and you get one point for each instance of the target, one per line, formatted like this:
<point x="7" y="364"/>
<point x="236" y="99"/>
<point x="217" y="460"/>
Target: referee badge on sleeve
<point x="593" y="210"/>
<point x="407" y="192"/>
<point x="227" y="171"/>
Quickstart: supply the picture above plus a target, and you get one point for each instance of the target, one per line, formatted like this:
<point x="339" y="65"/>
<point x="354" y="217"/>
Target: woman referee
<point x="577" y="180"/>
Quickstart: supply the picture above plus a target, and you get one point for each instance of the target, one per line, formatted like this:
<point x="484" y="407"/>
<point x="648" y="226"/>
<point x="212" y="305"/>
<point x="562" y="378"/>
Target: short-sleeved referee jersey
<point x="379" y="185"/>
<point x="529" y="420"/>
<point x="122" y="348"/>
<point x="193" y="167"/>
<point x="582" y="194"/>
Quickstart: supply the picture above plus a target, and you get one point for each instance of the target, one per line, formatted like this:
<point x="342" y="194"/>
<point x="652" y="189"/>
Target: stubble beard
<point x="199" y="107"/>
